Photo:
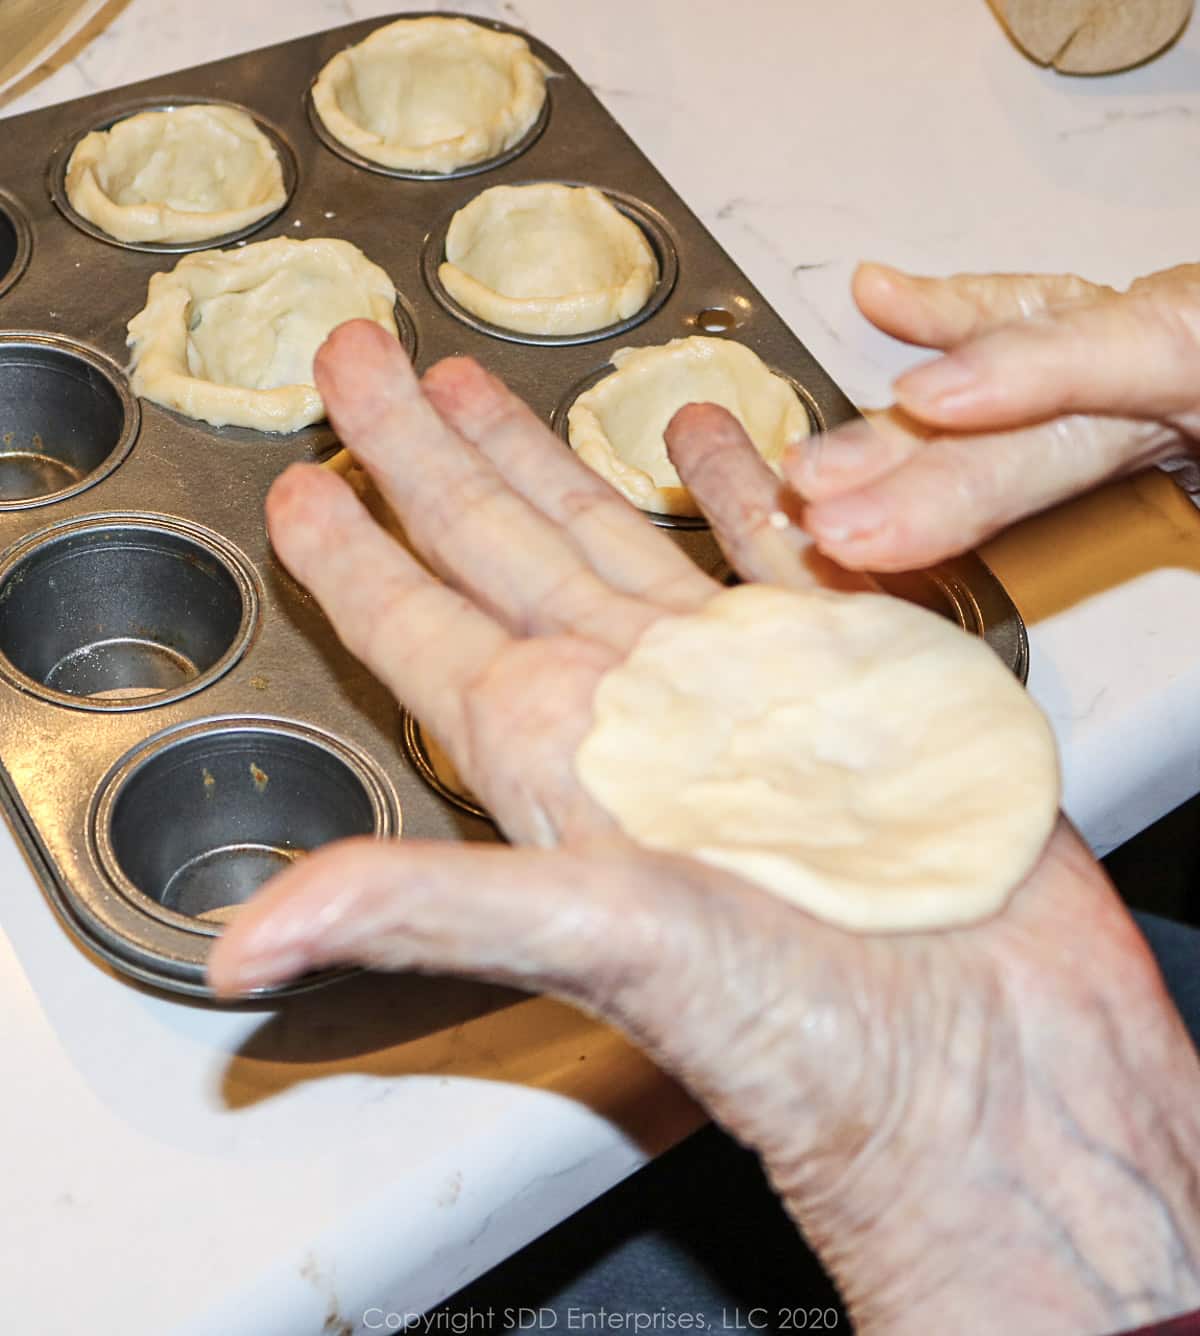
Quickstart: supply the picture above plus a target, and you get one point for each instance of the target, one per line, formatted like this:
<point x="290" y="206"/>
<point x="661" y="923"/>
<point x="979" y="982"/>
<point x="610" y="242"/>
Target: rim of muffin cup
<point x="653" y="226"/>
<point x="56" y="174"/>
<point x="558" y="424"/>
<point x="108" y="413"/>
<point x="16" y="240"/>
<point x="179" y="752"/>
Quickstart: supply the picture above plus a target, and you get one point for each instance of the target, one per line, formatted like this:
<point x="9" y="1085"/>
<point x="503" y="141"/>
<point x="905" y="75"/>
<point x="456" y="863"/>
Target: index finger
<point x="944" y="312"/>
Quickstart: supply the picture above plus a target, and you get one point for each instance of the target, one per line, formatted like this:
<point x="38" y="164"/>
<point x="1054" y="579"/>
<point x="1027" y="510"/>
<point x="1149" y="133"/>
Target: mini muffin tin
<point x="177" y="718"/>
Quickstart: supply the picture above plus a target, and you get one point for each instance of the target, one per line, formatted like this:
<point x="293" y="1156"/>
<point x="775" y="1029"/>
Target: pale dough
<point x="547" y="259"/>
<point x="851" y="753"/>
<point x="431" y="94"/>
<point x="228" y="337"/>
<point x="617" y="426"/>
<point x="187" y="174"/>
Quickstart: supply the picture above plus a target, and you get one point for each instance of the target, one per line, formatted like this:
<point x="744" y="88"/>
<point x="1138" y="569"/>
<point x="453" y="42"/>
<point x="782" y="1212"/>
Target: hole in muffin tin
<point x="715" y="320"/>
<point x="56" y="177"/>
<point x="653" y="227"/>
<point x="15" y="241"/>
<point x="417" y="750"/>
<point x="335" y="145"/>
<point x="67" y="418"/>
<point x="193" y="822"/>
<point x="558" y="423"/>
<point x="121" y="612"/>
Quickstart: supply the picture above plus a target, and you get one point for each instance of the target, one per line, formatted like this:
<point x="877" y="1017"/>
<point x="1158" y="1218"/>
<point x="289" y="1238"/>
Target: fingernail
<point x="940" y="382"/>
<point x="846" y="517"/>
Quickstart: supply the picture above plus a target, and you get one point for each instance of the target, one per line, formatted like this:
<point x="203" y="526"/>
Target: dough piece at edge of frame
<point x="1092" y="36"/>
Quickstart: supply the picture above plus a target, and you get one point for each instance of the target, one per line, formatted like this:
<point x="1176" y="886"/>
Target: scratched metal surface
<point x="56" y="758"/>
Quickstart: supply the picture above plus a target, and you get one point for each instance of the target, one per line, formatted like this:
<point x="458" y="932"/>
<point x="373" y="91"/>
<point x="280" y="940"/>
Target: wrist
<point x="1039" y="1175"/>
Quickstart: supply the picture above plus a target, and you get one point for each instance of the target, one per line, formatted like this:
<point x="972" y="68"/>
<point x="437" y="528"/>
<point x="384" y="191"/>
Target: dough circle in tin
<point x="547" y="259"/>
<point x="228" y="337"/>
<point x="617" y="426"/>
<point x="431" y="94"/>
<point x="176" y="175"/>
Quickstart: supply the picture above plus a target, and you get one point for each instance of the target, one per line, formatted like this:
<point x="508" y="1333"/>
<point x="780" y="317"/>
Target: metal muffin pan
<point x="177" y="719"/>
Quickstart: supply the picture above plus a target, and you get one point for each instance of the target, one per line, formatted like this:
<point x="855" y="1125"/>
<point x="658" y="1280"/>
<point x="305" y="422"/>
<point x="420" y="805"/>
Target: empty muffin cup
<point x="194" y="822"/>
<point x="122" y="612"/>
<point x="67" y="418"/>
<point x="15" y="242"/>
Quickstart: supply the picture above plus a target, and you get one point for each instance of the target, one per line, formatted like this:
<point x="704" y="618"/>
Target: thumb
<point x="574" y="924"/>
<point x="1131" y="356"/>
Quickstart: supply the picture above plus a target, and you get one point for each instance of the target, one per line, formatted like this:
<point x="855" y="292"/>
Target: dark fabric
<point x="698" y="1235"/>
<point x="1186" y="1324"/>
<point x="696" y="1241"/>
<point x="1176" y="947"/>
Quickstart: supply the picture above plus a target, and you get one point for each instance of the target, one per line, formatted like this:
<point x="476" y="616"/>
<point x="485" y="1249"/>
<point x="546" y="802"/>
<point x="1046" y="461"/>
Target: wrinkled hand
<point x="937" y="1110"/>
<point x="1049" y="385"/>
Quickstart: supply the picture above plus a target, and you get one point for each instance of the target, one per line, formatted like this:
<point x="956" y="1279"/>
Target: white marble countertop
<point x="259" y="1172"/>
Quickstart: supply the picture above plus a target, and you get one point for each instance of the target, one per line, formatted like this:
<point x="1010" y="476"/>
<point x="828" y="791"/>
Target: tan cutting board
<point x="30" y="29"/>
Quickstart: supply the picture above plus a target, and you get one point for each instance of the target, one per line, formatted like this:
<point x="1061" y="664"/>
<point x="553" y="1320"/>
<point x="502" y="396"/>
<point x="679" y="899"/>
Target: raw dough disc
<point x="228" y="337"/>
<point x="617" y="426"/>
<point x="851" y="753"/>
<point x="187" y="174"/>
<point x="547" y="259"/>
<point x="431" y="94"/>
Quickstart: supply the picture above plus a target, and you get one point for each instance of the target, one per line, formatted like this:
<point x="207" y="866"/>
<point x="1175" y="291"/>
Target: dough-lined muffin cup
<point x="176" y="175"/>
<point x="616" y="427"/>
<point x="228" y="337"/>
<point x="431" y="95"/>
<point x="547" y="259"/>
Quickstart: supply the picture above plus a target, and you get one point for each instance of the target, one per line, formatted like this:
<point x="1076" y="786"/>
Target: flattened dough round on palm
<point x="854" y="754"/>
<point x="186" y="174"/>
<point x="547" y="259"/>
<point x="228" y="337"/>
<point x="617" y="426"/>
<point x="431" y="94"/>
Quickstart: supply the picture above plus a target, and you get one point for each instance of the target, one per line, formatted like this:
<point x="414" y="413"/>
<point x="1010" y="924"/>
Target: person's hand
<point x="989" y="1129"/>
<point x="1049" y="385"/>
